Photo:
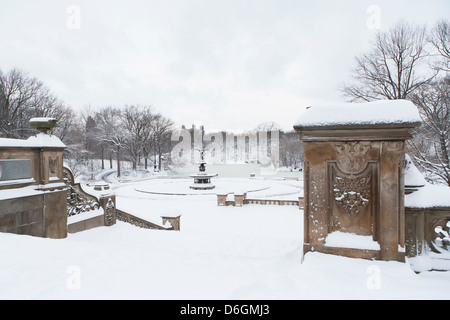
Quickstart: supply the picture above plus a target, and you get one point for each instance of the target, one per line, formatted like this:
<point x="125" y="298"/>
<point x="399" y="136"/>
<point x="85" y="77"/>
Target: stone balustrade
<point x="240" y="199"/>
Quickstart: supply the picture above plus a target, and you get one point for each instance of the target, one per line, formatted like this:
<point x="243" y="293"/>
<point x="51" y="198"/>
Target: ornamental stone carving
<point x="78" y="201"/>
<point x="352" y="194"/>
<point x="53" y="160"/>
<point x="353" y="155"/>
<point x="440" y="242"/>
<point x="352" y="198"/>
<point x="110" y="213"/>
<point x="351" y="182"/>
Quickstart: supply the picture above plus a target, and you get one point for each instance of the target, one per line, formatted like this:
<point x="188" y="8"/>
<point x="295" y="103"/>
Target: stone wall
<point x="86" y="224"/>
<point x="33" y="196"/>
<point x="44" y="163"/>
<point x="36" y="211"/>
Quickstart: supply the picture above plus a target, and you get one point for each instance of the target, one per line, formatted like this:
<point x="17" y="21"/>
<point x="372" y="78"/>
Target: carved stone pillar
<point x="353" y="183"/>
<point x="239" y="199"/>
<point x="33" y="167"/>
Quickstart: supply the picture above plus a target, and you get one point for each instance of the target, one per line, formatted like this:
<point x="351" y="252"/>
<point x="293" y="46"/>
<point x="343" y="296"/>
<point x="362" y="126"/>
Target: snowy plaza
<point x="251" y="252"/>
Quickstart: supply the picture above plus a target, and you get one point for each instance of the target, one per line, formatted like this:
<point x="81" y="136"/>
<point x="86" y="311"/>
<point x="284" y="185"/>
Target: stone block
<point x="239" y="200"/>
<point x="87" y="224"/>
<point x="221" y="199"/>
<point x="36" y="229"/>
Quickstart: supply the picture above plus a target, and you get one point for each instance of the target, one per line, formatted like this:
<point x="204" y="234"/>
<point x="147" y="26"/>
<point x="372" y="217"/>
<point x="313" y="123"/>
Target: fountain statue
<point x="202" y="180"/>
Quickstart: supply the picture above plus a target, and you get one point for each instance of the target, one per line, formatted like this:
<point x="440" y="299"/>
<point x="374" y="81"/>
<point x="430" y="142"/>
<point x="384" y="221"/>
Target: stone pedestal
<point x="173" y="220"/>
<point x="239" y="199"/>
<point x="301" y="203"/>
<point x="353" y="186"/>
<point x="222" y="199"/>
<point x="108" y="203"/>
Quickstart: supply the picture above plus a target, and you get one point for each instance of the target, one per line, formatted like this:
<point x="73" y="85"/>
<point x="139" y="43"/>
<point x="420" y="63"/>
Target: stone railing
<point x="81" y="202"/>
<point x="141" y="223"/>
<point x="273" y="202"/>
<point x="427" y="221"/>
<point x="86" y="211"/>
<point x="78" y="201"/>
<point x="427" y="231"/>
<point x="241" y="199"/>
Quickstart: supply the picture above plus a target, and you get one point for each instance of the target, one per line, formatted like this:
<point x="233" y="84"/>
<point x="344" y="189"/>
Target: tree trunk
<point x="446" y="158"/>
<point x="159" y="158"/>
<point x="103" y="158"/>
<point x="92" y="169"/>
<point x="118" y="161"/>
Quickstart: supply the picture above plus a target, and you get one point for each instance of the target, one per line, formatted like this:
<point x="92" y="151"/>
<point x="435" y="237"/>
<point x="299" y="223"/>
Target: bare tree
<point x="291" y="150"/>
<point x="66" y="119"/>
<point x="394" y="68"/>
<point x="138" y="122"/>
<point x="22" y="98"/>
<point x="162" y="128"/>
<point x="148" y="119"/>
<point x="440" y="39"/>
<point x="16" y="91"/>
<point x="131" y="131"/>
<point x="74" y="141"/>
<point x="431" y="147"/>
<point x="112" y="131"/>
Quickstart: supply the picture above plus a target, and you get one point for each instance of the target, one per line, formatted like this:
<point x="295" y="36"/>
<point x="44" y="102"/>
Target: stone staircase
<point x="174" y="222"/>
<point x="80" y="202"/>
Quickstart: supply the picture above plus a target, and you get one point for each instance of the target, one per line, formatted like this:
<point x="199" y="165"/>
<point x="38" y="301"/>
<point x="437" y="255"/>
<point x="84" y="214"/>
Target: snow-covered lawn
<point x="251" y="252"/>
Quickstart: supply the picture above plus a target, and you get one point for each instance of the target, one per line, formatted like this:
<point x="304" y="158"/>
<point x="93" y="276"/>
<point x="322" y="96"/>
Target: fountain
<point x="202" y="180"/>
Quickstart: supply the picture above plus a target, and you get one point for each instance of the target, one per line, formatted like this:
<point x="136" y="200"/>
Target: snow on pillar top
<point x="367" y="120"/>
<point x="42" y="139"/>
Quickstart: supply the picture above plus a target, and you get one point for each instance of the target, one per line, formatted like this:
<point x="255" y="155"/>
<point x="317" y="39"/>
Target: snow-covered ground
<point x="251" y="252"/>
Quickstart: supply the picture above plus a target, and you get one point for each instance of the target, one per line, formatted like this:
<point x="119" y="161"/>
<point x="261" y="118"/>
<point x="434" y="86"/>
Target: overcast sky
<point x="227" y="64"/>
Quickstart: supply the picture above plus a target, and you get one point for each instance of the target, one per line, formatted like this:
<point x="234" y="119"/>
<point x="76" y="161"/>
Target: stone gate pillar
<point x="34" y="195"/>
<point x="353" y="178"/>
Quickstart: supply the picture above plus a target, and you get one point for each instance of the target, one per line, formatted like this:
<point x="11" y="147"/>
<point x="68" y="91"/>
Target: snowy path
<point x="106" y="176"/>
